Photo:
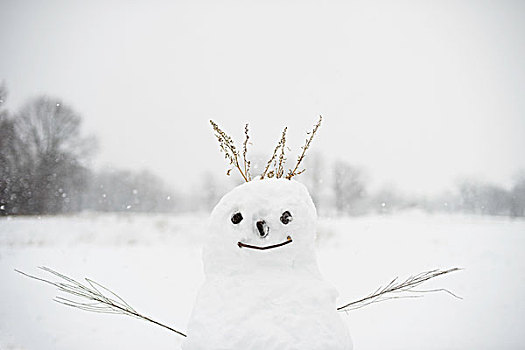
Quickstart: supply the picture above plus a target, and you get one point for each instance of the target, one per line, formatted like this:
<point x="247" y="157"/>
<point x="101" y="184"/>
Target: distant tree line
<point x="341" y="188"/>
<point x="44" y="166"/>
<point x="345" y="191"/>
<point x="44" y="169"/>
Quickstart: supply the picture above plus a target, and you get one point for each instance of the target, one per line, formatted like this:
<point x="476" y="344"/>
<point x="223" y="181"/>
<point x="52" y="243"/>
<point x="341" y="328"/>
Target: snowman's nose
<point x="262" y="228"/>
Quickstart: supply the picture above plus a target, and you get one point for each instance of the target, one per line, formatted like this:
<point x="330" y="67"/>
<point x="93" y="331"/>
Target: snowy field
<point x="154" y="262"/>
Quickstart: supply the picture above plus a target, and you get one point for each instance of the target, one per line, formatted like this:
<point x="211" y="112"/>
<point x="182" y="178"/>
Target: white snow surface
<point x="155" y="263"/>
<point x="265" y="299"/>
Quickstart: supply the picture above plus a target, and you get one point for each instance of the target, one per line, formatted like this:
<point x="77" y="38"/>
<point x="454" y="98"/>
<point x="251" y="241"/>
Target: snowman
<point x="263" y="288"/>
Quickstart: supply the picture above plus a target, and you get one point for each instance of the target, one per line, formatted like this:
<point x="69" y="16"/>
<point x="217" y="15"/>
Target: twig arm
<point x="408" y="285"/>
<point x="98" y="301"/>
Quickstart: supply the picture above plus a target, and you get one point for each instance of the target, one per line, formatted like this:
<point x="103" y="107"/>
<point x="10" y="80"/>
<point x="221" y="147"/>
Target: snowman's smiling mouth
<point x="244" y="245"/>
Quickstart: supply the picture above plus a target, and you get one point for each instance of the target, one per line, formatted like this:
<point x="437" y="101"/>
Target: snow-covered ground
<point x="154" y="262"/>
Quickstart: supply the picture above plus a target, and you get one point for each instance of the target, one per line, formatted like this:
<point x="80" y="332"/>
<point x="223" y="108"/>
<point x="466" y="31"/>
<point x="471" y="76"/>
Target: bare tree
<point x="469" y="196"/>
<point x="486" y="199"/>
<point x="14" y="175"/>
<point x="518" y="197"/>
<point x="54" y="152"/>
<point x="495" y="200"/>
<point x="7" y="155"/>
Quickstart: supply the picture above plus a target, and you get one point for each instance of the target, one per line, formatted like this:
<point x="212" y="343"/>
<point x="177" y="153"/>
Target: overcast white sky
<point x="421" y="93"/>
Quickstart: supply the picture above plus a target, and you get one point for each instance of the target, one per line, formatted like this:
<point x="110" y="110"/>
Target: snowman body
<point x="263" y="289"/>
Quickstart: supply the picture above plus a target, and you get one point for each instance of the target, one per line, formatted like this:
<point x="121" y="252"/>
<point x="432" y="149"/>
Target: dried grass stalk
<point x="295" y="171"/>
<point x="400" y="290"/>
<point x="276" y="161"/>
<point x="247" y="163"/>
<point x="272" y="160"/>
<point x="280" y="169"/>
<point x="94" y="297"/>
<point x="228" y="147"/>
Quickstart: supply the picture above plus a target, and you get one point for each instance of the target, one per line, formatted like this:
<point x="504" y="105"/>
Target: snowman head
<point x="261" y="226"/>
<point x="265" y="225"/>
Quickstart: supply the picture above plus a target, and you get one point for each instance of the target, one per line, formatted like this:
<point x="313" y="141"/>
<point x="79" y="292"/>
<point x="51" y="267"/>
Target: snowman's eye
<point x="286" y="217"/>
<point x="236" y="218"/>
